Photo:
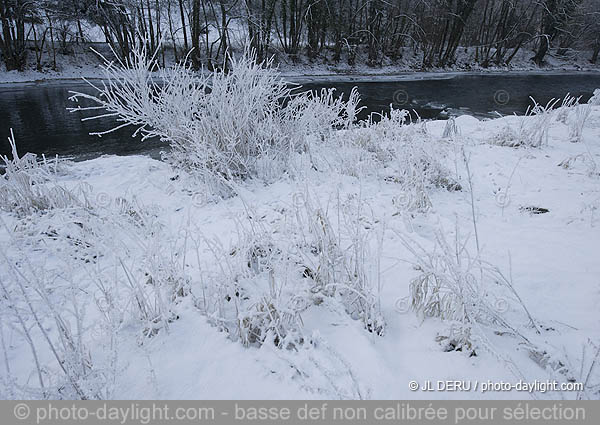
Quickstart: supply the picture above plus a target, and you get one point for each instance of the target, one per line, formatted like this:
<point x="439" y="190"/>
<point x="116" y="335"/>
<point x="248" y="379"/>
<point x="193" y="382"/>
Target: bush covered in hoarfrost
<point x="227" y="125"/>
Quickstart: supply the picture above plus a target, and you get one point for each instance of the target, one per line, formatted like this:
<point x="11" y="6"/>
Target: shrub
<point x="224" y="126"/>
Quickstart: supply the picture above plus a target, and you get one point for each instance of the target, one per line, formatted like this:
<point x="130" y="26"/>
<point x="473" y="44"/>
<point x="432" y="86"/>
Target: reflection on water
<point x="37" y="111"/>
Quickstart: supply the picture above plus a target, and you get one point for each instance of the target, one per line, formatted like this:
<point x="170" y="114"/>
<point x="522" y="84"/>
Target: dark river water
<point x="37" y="111"/>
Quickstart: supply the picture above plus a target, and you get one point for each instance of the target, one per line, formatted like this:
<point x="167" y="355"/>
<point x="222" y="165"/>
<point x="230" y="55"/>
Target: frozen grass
<point x="272" y="274"/>
<point x="478" y="301"/>
<point x="30" y="185"/>
<point x="580" y="115"/>
<point x="395" y="149"/>
<point x="532" y="129"/>
<point x="71" y="297"/>
<point x="595" y="99"/>
<point x="460" y="287"/>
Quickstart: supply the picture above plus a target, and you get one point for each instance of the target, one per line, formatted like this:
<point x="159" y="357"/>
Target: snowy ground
<point x="551" y="258"/>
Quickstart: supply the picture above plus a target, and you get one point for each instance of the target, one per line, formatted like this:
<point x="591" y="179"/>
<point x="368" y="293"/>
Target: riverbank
<point x="136" y="263"/>
<point x="86" y="65"/>
<point x="465" y="62"/>
<point x="76" y="74"/>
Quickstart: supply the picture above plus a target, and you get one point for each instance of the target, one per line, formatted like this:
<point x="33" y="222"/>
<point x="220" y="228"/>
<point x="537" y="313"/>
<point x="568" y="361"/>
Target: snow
<point x="411" y="64"/>
<point x="552" y="259"/>
<point x="85" y="64"/>
<point x="68" y="73"/>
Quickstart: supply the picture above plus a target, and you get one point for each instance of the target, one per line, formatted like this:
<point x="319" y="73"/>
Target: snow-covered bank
<point x="67" y="73"/>
<point x="85" y="65"/>
<point x="305" y="74"/>
<point x="411" y="64"/>
<point x="531" y="212"/>
<point x="302" y="76"/>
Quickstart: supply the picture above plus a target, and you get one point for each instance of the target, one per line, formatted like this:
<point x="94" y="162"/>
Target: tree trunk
<point x="184" y="25"/>
<point x="595" y="53"/>
<point x="548" y="30"/>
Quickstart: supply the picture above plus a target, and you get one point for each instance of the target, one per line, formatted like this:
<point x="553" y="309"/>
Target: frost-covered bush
<point x="568" y="103"/>
<point x="318" y="113"/>
<point x="29" y="184"/>
<point x="533" y="131"/>
<point x="249" y="289"/>
<point x="448" y="286"/>
<point x="152" y="272"/>
<point x="253" y="295"/>
<point x="536" y="134"/>
<point x="574" y="115"/>
<point x="224" y="126"/>
<point x="339" y="253"/>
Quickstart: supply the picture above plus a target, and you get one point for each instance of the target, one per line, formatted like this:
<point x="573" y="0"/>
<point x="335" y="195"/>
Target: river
<point x="38" y="116"/>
